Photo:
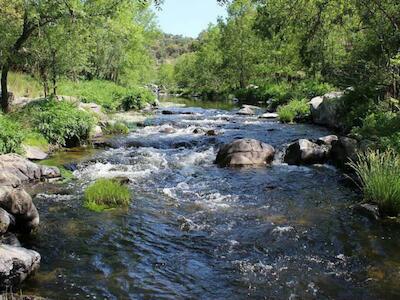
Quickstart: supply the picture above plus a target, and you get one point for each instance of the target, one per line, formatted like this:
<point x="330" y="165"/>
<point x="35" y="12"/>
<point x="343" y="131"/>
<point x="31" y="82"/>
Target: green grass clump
<point x="11" y="135"/>
<point x="116" y="128"/>
<point x="296" y="109"/>
<point x="106" y="194"/>
<point x="379" y="174"/>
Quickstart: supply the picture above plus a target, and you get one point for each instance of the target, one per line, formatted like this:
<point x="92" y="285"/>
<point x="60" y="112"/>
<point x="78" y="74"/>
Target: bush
<point x="116" y="128"/>
<point x="60" y="122"/>
<point x="379" y="174"/>
<point x="382" y="127"/>
<point x="137" y="99"/>
<point x="11" y="136"/>
<point x="106" y="194"/>
<point x="296" y="109"/>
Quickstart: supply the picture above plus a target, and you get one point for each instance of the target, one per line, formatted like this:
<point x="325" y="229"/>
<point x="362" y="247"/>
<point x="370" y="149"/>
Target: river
<point x="197" y="231"/>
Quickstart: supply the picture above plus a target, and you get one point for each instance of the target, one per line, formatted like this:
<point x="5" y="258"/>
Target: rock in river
<point x="304" y="152"/>
<point x="16" y="263"/>
<point x="245" y="152"/>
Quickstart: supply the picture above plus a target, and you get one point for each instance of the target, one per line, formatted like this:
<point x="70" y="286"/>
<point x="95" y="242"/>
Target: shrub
<point x="296" y="109"/>
<point x="379" y="174"/>
<point x="137" y="99"/>
<point x="60" y="122"/>
<point x="11" y="136"/>
<point x="116" y="128"/>
<point x="106" y="194"/>
<point x="382" y="127"/>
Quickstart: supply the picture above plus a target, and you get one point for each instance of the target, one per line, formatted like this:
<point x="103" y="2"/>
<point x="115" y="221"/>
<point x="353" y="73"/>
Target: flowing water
<point x="197" y="231"/>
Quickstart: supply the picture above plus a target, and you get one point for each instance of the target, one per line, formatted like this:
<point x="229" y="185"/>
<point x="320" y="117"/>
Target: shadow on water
<point x="196" y="231"/>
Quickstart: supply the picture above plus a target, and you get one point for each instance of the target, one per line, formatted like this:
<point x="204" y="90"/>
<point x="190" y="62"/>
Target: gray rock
<point x="245" y="152"/>
<point x="327" y="140"/>
<point x="304" y="152"/>
<point x="34" y="153"/>
<point x="96" y="132"/>
<point x="269" y="116"/>
<point x="19" y="203"/>
<point x="16" y="170"/>
<point x="325" y="109"/>
<point x="5" y="221"/>
<point x="16" y="264"/>
<point x="344" y="150"/>
<point x="246" y="111"/>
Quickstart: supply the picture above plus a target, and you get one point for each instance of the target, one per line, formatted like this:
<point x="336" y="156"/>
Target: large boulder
<point x="343" y="151"/>
<point x="19" y="204"/>
<point x="16" y="170"/>
<point x="245" y="152"/>
<point x="16" y="264"/>
<point x="305" y="152"/>
<point x="325" y="109"/>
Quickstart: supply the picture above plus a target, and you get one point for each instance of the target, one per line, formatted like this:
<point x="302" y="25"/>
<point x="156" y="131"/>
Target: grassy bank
<point x="50" y="123"/>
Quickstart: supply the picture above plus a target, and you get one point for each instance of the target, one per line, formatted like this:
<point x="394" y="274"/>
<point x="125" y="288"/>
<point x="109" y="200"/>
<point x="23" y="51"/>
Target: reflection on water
<point x="196" y="231"/>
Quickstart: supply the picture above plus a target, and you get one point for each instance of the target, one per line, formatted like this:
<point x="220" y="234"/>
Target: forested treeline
<point x="276" y="44"/>
<point x="76" y="39"/>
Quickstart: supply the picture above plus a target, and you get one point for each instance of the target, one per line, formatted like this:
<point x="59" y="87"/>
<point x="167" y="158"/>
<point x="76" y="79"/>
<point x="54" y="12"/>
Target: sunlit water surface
<point x="196" y="231"/>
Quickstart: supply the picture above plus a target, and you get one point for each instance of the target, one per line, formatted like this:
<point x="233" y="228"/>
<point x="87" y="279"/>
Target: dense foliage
<point x="60" y="122"/>
<point x="11" y="135"/>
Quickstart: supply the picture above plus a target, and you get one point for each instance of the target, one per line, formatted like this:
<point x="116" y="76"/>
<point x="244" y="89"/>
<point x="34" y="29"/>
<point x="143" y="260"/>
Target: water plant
<point x="106" y="194"/>
<point x="379" y="175"/>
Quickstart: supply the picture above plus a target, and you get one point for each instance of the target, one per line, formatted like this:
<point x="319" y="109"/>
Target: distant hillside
<point x="168" y="47"/>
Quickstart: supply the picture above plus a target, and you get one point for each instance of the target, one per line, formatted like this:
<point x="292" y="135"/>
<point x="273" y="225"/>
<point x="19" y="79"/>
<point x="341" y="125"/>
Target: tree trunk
<point x="5" y="105"/>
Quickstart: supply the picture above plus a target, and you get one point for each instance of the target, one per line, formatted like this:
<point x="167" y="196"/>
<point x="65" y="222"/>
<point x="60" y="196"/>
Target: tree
<point x="20" y="20"/>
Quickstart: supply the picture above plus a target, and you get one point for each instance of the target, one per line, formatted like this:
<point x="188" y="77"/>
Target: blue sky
<point x="188" y="17"/>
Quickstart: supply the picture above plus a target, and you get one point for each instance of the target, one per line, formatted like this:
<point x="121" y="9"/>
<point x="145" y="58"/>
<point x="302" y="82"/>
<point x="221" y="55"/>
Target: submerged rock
<point x="212" y="132"/>
<point x="16" y="264"/>
<point x="305" y="152"/>
<point x="370" y="211"/>
<point x="245" y="152"/>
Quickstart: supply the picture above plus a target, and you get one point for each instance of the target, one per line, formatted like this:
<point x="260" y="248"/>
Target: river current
<point x="197" y="231"/>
